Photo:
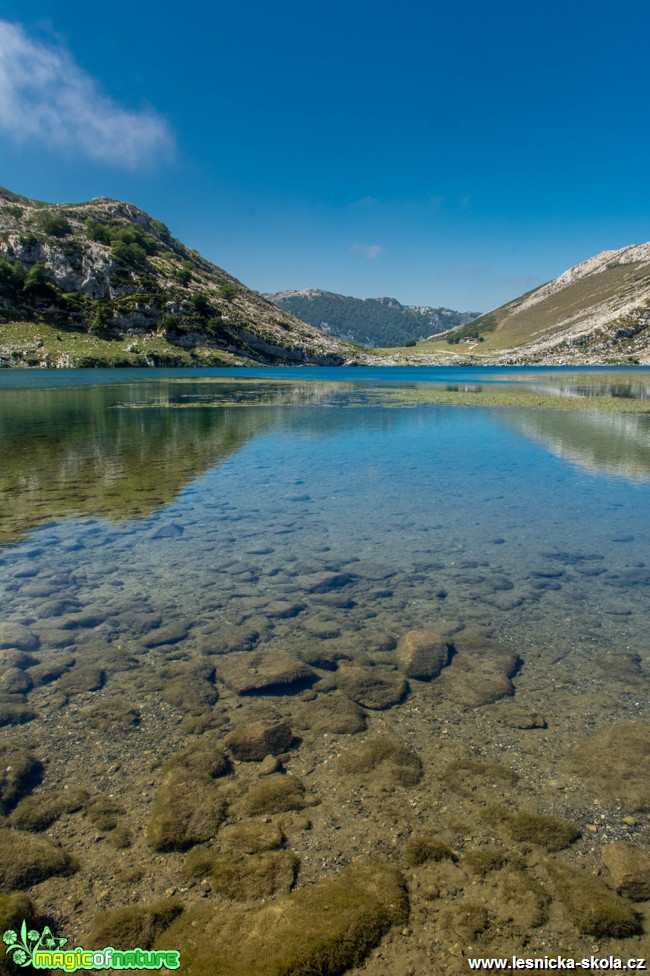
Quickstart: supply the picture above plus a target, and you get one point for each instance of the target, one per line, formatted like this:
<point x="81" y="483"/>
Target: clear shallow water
<point x="156" y="520"/>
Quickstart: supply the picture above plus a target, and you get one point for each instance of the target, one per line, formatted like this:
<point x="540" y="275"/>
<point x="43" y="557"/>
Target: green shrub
<point x="55" y="225"/>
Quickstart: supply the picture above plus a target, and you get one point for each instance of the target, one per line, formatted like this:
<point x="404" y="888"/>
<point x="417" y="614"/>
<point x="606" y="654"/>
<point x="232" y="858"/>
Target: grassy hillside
<point x="103" y="283"/>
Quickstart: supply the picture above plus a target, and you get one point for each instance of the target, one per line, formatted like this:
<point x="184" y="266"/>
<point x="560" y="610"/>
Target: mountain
<point x="103" y="283"/>
<point x="367" y="321"/>
<point x="599" y="309"/>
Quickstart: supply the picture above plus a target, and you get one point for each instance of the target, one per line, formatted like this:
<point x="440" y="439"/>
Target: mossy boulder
<point x="189" y="685"/>
<point x="392" y="760"/>
<point x="20" y="771"/>
<point x="82" y="678"/>
<point x="551" y="833"/>
<point x="333" y="714"/>
<point x="322" y="930"/>
<point x="422" y="654"/>
<point x="376" y="688"/>
<point x="468" y="776"/>
<point x="275" y="794"/>
<point x="103" y="811"/>
<point x="615" y="763"/>
<point x="484" y="860"/>
<point x="266" y="673"/>
<point x="108" y="715"/>
<point x="468" y="919"/>
<point x="134" y="925"/>
<point x="252" y="836"/>
<point x="522" y="899"/>
<point x="592" y="907"/>
<point x="16" y="908"/>
<point x="15" y="636"/>
<point x="480" y="672"/>
<point x="242" y="877"/>
<point x="421" y="850"/>
<point x="26" y="859"/>
<point x="252" y="741"/>
<point x="15" y="713"/>
<point x="38" y="812"/>
<point x="629" y="867"/>
<point x="188" y="810"/>
<point x="203" y="758"/>
<point x="15" y="681"/>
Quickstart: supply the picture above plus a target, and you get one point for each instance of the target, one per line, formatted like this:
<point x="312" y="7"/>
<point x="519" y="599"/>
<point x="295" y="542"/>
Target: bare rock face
<point x="422" y="654"/>
<point x="629" y="866"/>
<point x="253" y="741"/>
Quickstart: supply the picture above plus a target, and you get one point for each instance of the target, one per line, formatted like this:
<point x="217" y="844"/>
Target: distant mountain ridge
<point x="600" y="308"/>
<point x="103" y="283"/>
<point x="367" y="321"/>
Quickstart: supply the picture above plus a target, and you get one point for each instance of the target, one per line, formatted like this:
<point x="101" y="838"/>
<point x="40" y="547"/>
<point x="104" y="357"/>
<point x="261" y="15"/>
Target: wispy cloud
<point x="365" y="202"/>
<point x="371" y="251"/>
<point x="46" y="97"/>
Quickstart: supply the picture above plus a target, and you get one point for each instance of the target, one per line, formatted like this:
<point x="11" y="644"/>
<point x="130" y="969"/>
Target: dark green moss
<point x="275" y="794"/>
<point x="593" y="908"/>
<point x="419" y="850"/>
<point x="26" y="859"/>
<point x="40" y="811"/>
<point x="103" y="811"/>
<point x="483" y="860"/>
<point x="395" y="761"/>
<point x="244" y="876"/>
<point x="15" y="714"/>
<point x="20" y="771"/>
<point x="135" y="925"/>
<point x="552" y="833"/>
<point x="188" y="810"/>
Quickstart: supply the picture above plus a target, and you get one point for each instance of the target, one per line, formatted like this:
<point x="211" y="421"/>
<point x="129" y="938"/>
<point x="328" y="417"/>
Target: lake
<point x="402" y="607"/>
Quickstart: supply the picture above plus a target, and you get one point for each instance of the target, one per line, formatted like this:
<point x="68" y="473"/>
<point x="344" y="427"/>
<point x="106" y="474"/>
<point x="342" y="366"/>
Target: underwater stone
<point x="269" y="672"/>
<point x="373" y="688"/>
<point x="615" y="763"/>
<point x="26" y="859"/>
<point x="422" y="654"/>
<point x="18" y="637"/>
<point x="253" y="741"/>
<point x="629" y="866"/>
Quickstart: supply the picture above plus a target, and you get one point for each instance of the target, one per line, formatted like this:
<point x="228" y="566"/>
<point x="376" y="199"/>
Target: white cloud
<point x="46" y="97"/>
<point x="371" y="251"/>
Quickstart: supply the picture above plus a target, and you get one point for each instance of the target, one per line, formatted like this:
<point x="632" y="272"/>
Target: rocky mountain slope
<point x="103" y="283"/>
<point x="368" y="321"/>
<point x="600" y="309"/>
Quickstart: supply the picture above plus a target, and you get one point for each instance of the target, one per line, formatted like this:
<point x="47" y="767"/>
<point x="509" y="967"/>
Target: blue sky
<point x="443" y="155"/>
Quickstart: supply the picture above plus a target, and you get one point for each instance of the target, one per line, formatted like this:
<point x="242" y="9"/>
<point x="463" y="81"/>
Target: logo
<point x="43" y="950"/>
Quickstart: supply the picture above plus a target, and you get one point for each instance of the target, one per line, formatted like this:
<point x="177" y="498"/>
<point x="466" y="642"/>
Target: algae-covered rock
<point x="26" y="859"/>
<point x="629" y="867"/>
<point x="420" y="850"/>
<point x="40" y="811"/>
<point x="190" y="685"/>
<point x="15" y="714"/>
<point x="266" y="673"/>
<point x="110" y="714"/>
<point x="18" y="637"/>
<point x="468" y="919"/>
<point x="252" y="836"/>
<point x="15" y="681"/>
<point x="394" y="761"/>
<point x="202" y="758"/>
<point x="615" y="763"/>
<point x="480" y="671"/>
<point x="467" y="776"/>
<point x="551" y="833"/>
<point x="20" y="771"/>
<point x="375" y="688"/>
<point x="522" y="899"/>
<point x="242" y="877"/>
<point x="188" y="810"/>
<point x="518" y="717"/>
<point x="82" y="678"/>
<point x="134" y="925"/>
<point x="275" y="794"/>
<point x="15" y="908"/>
<point x="484" y="860"/>
<point x="252" y="741"/>
<point x="331" y="713"/>
<point x="592" y="907"/>
<point x="322" y="930"/>
<point x="103" y="811"/>
<point x="422" y="654"/>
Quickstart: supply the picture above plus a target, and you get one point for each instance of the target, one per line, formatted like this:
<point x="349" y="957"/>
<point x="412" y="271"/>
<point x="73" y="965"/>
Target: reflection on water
<point x="185" y="558"/>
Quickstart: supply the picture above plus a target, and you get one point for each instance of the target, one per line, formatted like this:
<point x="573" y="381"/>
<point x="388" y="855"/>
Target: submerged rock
<point x="326" y="928"/>
<point x="26" y="859"/>
<point x="242" y="877"/>
<point x="391" y="759"/>
<point x="20" y="771"/>
<point x="615" y="763"/>
<point x="376" y="688"/>
<point x="253" y="741"/>
<point x="17" y="637"/>
<point x="266" y="673"/>
<point x="592" y="907"/>
<point x="629" y="866"/>
<point x="422" y="654"/>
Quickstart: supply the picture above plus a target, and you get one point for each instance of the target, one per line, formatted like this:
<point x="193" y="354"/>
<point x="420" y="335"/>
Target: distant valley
<point x="379" y="322"/>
